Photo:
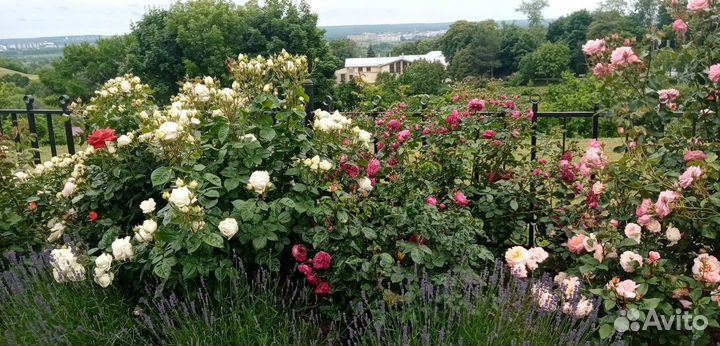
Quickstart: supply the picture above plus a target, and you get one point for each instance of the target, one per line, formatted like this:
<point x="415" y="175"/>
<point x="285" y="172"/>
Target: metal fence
<point x="32" y="114"/>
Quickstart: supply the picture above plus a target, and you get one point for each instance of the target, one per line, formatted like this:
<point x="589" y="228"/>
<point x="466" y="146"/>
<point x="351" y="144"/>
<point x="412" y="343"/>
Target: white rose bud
<point x="124" y="140"/>
<point x="149" y="226"/>
<point x="259" y="181"/>
<point x="365" y="184"/>
<point x="68" y="189"/>
<point x="228" y="227"/>
<point x="122" y="249"/>
<point x="104" y="279"/>
<point x="169" y="131"/>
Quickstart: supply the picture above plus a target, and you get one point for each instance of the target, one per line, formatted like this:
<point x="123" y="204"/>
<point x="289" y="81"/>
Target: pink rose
<point x="689" y="176"/>
<point x="668" y="95"/>
<point x="694" y="155"/>
<point x="322" y="260"/>
<point x="601" y="70"/>
<point x="623" y="56"/>
<point x="714" y="73"/>
<point x="305" y="269"/>
<point x="698" y="5"/>
<point x="665" y="203"/>
<point x="712" y="277"/>
<point x="633" y="231"/>
<point x="373" y="168"/>
<point x="614" y="223"/>
<point x="431" y="200"/>
<point x="626" y="289"/>
<point x="453" y="119"/>
<point x="299" y="252"/>
<point x="394" y="125"/>
<point x="644" y="207"/>
<point x="476" y="105"/>
<point x="403" y="136"/>
<point x="460" y="199"/>
<point x="489" y="134"/>
<point x="628" y="260"/>
<point x="352" y="170"/>
<point x="653" y="257"/>
<point x="576" y="244"/>
<point x="594" y="47"/>
<point x="680" y="26"/>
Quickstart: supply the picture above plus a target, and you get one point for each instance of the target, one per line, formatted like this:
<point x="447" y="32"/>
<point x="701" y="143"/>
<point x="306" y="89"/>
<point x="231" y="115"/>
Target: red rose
<point x="312" y="279"/>
<point x="373" y="168"/>
<point x="93" y="216"/>
<point x="322" y="260"/>
<point x="32" y="206"/>
<point x="299" y="251"/>
<point x="323" y="288"/>
<point x="305" y="269"/>
<point x="99" y="138"/>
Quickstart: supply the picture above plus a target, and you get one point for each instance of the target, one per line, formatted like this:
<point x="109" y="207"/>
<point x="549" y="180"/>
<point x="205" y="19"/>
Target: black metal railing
<point x="31" y="113"/>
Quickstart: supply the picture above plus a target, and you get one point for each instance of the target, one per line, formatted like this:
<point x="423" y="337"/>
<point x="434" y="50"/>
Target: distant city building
<point x="368" y="69"/>
<point x="393" y="36"/>
<point x="3" y="48"/>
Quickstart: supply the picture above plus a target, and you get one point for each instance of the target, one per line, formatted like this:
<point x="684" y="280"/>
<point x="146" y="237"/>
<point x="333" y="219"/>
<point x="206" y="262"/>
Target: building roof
<point x="382" y="61"/>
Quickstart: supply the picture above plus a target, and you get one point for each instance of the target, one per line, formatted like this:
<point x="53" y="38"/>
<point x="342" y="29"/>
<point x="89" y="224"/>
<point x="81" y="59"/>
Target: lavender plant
<point x="36" y="310"/>
<point x="492" y="308"/>
<point x="255" y="310"/>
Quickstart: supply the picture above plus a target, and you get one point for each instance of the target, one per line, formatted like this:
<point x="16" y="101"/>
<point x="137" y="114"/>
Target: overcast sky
<point x="34" y="18"/>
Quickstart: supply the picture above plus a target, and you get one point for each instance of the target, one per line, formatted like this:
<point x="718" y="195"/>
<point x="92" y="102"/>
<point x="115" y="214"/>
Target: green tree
<point x="573" y="30"/>
<point x="197" y="37"/>
<point x="516" y="43"/>
<point x="472" y="48"/>
<point x="533" y="10"/>
<point x="423" y="77"/>
<point x="549" y="61"/>
<point x="344" y="49"/>
<point x="10" y="96"/>
<point x="84" y="67"/>
<point x="620" y="6"/>
<point x="609" y="22"/>
<point x="416" y="47"/>
<point x="15" y="78"/>
<point x="370" y="52"/>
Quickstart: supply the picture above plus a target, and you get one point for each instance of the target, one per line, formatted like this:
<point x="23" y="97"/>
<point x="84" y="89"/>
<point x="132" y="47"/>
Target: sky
<point x="37" y="18"/>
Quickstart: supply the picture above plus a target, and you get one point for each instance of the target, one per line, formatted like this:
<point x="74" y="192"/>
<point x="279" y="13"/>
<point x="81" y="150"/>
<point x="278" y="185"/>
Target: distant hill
<point x="59" y="40"/>
<point x="343" y="31"/>
<point x="5" y="71"/>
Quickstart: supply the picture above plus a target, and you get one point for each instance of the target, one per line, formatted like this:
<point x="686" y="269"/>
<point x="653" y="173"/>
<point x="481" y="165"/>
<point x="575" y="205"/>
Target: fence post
<point x="309" y="111"/>
<point x="533" y="157"/>
<point x="596" y="121"/>
<point x="70" y="139"/>
<point x="29" y="105"/>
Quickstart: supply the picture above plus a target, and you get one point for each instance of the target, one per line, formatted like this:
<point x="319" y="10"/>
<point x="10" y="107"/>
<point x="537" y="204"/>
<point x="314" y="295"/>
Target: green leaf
<point x="651" y="303"/>
<point x="213" y="179"/>
<point x="267" y="134"/>
<point x="161" y="175"/>
<point x="609" y="304"/>
<point x="223" y="132"/>
<point x="369" y="233"/>
<point x="514" y="204"/>
<point x="212" y="193"/>
<point x="232" y="184"/>
<point x="606" y="330"/>
<point x="259" y="243"/>
<point x="164" y="268"/>
<point x="214" y="240"/>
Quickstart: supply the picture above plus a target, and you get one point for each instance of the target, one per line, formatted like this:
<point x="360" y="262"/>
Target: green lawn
<point x="4" y="71"/>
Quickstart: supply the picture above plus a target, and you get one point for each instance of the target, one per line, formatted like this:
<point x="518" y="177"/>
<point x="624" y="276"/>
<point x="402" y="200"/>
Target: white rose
<point x="22" y="176"/>
<point x="365" y="184"/>
<point x="181" y="197"/>
<point x="228" y="227"/>
<point x="149" y="226"/>
<point x="147" y="206"/>
<point x="364" y="136"/>
<point x="143" y="236"/>
<point x="122" y="249"/>
<point x="326" y="165"/>
<point x="673" y="235"/>
<point x="208" y="80"/>
<point x="125" y="86"/>
<point x="104" y="279"/>
<point x="202" y="92"/>
<point x="259" y="181"/>
<point x="103" y="262"/>
<point x="68" y="189"/>
<point x="112" y="90"/>
<point x="169" y="131"/>
<point x="124" y="140"/>
<point x="227" y="94"/>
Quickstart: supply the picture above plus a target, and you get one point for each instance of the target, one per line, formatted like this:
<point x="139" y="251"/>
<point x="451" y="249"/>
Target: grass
<point x="6" y="71"/>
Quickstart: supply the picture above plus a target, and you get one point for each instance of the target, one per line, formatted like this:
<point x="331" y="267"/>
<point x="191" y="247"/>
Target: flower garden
<point x="223" y="218"/>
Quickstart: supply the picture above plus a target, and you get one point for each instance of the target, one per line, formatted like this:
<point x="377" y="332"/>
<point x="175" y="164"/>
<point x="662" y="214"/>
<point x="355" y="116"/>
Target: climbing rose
<point x="516" y="255"/>
<point x="653" y="257"/>
<point x="627" y="260"/>
<point x="476" y="105"/>
<point x="460" y="199"/>
<point x="93" y="216"/>
<point x="668" y="95"/>
<point x="576" y="243"/>
<point x="690" y="175"/>
<point x="403" y="136"/>
<point x="305" y="269"/>
<point x="489" y="134"/>
<point x="322" y="260"/>
<point x="665" y="203"/>
<point x="99" y="138"/>
<point x="431" y="200"/>
<point x="633" y="231"/>
<point x="299" y="252"/>
<point x="623" y="56"/>
<point x="694" y="155"/>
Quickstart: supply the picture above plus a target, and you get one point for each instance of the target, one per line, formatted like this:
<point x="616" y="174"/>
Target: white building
<point x="368" y="68"/>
